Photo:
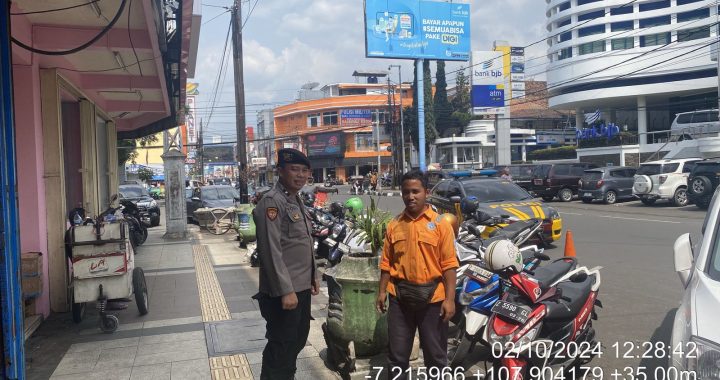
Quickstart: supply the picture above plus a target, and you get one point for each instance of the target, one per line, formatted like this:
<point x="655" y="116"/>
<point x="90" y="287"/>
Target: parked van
<point x="695" y="124"/>
<point x="558" y="180"/>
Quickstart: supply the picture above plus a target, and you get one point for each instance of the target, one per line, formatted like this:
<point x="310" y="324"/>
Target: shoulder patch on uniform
<point x="271" y="213"/>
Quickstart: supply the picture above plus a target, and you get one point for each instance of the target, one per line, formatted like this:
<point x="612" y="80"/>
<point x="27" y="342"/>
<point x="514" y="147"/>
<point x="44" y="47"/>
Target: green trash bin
<point x="244" y="223"/>
<point x="354" y="327"/>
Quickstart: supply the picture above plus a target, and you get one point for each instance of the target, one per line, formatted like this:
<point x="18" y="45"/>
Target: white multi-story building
<point x="638" y="62"/>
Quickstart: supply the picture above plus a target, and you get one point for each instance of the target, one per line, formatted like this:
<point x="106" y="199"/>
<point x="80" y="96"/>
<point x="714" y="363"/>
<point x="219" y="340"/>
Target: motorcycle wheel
<point x="459" y="346"/>
<point x="143" y="235"/>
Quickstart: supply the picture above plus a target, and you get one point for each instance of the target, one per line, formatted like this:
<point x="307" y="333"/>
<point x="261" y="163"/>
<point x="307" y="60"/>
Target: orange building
<point x="338" y="127"/>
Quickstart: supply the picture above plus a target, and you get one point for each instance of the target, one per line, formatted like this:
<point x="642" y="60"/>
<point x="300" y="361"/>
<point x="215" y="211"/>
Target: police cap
<point x="292" y="156"/>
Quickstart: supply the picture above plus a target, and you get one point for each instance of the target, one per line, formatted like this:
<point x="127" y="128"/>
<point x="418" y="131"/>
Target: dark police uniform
<point x="287" y="265"/>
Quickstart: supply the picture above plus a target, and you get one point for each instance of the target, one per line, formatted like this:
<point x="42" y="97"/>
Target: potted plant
<point x="373" y="225"/>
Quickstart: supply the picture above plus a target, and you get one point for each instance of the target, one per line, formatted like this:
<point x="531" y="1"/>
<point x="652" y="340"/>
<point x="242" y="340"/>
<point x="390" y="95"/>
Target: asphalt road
<point x="640" y="290"/>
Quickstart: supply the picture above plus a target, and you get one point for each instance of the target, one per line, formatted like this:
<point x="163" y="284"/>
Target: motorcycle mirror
<point x="505" y="216"/>
<point x="579" y="277"/>
<point x="542" y="256"/>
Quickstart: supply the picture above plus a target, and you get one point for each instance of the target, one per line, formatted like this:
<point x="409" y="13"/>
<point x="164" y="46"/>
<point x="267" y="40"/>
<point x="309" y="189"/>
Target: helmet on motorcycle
<point x="336" y="208"/>
<point x="355" y="205"/>
<point x="503" y="254"/>
<point x="469" y="205"/>
<point x="308" y="198"/>
<point x="452" y="219"/>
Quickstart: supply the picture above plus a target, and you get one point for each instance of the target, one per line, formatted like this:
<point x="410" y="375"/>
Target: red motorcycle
<point x="538" y="329"/>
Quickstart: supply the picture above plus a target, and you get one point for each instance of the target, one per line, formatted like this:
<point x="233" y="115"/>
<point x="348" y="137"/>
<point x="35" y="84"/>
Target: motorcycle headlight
<point x="337" y="229"/>
<point x="706" y="362"/>
<point x="553" y="214"/>
<point x="467" y="297"/>
<point x="152" y="204"/>
<point x="528" y="337"/>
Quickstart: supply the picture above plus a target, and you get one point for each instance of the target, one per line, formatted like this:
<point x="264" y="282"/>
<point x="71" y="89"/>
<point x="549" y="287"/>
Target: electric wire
<point x="132" y="45"/>
<point x="54" y="10"/>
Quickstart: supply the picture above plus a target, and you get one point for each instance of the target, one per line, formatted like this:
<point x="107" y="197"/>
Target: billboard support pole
<point x="421" y="113"/>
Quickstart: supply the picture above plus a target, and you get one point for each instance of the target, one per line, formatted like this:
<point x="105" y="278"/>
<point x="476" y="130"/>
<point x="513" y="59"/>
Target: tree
<point x="462" y="112"/>
<point x="126" y="150"/>
<point x="145" y="174"/>
<point x="443" y="108"/>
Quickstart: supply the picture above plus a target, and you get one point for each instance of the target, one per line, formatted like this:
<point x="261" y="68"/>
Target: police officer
<point x="287" y="267"/>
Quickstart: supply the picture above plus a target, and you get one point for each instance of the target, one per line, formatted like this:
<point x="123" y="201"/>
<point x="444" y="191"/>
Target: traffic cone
<point x="569" y="244"/>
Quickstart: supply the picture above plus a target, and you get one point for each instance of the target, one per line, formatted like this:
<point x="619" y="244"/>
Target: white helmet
<point x="502" y="254"/>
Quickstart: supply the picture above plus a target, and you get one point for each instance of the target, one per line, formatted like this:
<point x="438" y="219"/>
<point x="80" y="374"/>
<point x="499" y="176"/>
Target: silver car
<point x="696" y="331"/>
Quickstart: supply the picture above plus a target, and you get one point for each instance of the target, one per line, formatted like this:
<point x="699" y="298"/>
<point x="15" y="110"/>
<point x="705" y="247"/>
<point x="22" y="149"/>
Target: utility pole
<point x="402" y="120"/>
<point x="390" y="128"/>
<point x="201" y="153"/>
<point x="239" y="100"/>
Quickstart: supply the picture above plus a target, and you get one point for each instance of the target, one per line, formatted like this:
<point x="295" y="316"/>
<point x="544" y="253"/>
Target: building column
<point x="579" y="118"/>
<point x="642" y="120"/>
<point x="324" y="174"/>
<point x="175" y="208"/>
<point x="523" y="149"/>
<point x="455" y="156"/>
<point x="357" y="169"/>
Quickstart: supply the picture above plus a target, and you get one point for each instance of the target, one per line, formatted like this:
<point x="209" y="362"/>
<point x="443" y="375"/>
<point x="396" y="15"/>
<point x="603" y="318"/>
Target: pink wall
<point x="30" y="169"/>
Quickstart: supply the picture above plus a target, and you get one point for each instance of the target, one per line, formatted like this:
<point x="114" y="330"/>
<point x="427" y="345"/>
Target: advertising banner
<point x="517" y="77"/>
<point x="488" y="83"/>
<point x="517" y="86"/>
<point x="356" y="117"/>
<point x="325" y="145"/>
<point x="413" y="29"/>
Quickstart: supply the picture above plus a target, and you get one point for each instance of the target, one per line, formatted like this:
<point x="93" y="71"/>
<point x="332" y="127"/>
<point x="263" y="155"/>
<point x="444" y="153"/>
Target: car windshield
<point x="133" y="192"/>
<point x="541" y="171"/>
<point x="592" y="176"/>
<point x="496" y="191"/>
<point x="219" y="193"/>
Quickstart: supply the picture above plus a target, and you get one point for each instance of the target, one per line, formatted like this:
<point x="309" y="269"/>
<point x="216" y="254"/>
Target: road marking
<point x="230" y="367"/>
<point x="634" y="219"/>
<point x="212" y="300"/>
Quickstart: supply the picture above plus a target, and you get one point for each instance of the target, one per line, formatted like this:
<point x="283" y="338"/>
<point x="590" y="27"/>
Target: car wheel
<point x="154" y="222"/>
<point x="587" y="200"/>
<point x="647" y="201"/>
<point x="680" y="198"/>
<point x="610" y="197"/>
<point x="700" y="186"/>
<point x="548" y="198"/>
<point x="565" y="195"/>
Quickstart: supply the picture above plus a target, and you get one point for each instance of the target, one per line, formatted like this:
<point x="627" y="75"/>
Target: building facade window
<point x="567" y="36"/>
<point x="564" y="23"/>
<point x="655" y="39"/>
<point x="693" y="34"/>
<point x="683" y="2"/>
<point x="623" y="43"/>
<point x="379" y="116"/>
<point x="654" y="21"/>
<point x="583" y="2"/>
<point x="364" y="142"/>
<point x="697" y="14"/>
<point x="624" y="10"/>
<point x="313" y="119"/>
<point x="565" y="54"/>
<point x="330" y="118"/>
<point x="644" y="7"/>
<point x="592" y="47"/>
<point x="590" y="30"/>
<point x="622" y="26"/>
<point x="591" y="15"/>
<point x="564" y="6"/>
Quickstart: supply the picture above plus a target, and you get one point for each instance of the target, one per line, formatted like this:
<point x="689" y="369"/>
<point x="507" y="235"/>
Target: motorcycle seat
<point x="576" y="292"/>
<point x="552" y="272"/>
<point x="513" y="229"/>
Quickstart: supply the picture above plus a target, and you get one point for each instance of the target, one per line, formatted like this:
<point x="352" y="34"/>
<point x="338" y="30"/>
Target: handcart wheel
<point x="140" y="289"/>
<point x="78" y="311"/>
<point x="222" y="221"/>
<point x="109" y="324"/>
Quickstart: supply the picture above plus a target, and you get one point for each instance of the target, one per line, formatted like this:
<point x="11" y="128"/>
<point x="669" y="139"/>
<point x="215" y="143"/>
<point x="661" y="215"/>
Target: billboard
<point x="413" y="29"/>
<point x="325" y="145"/>
<point x="488" y="83"/>
<point x="355" y="117"/>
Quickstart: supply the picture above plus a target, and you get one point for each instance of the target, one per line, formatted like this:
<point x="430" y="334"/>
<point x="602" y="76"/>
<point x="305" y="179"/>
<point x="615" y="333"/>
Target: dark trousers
<point x="287" y="333"/>
<point x="402" y="324"/>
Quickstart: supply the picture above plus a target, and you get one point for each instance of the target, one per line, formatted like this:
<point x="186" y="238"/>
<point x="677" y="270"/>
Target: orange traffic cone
<point x="569" y="244"/>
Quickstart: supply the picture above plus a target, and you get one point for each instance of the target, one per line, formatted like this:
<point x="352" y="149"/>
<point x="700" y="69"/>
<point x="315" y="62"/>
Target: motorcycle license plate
<point x="512" y="311"/>
<point x="344" y="248"/>
<point x="330" y="242"/>
<point x="479" y="274"/>
<point x="587" y="195"/>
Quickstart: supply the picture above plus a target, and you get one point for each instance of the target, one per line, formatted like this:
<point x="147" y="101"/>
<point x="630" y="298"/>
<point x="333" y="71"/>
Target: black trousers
<point x="402" y="324"/>
<point x="287" y="333"/>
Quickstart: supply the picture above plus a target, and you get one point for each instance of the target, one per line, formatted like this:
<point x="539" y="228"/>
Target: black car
<point x="558" y="180"/>
<point x="521" y="174"/>
<point x="435" y="176"/>
<point x="149" y="209"/>
<point x="702" y="182"/>
<point x="608" y="184"/>
<point x="213" y="196"/>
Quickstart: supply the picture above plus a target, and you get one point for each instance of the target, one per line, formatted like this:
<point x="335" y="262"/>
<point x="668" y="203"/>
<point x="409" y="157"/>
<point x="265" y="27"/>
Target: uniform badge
<point x="296" y="216"/>
<point x="431" y="226"/>
<point x="271" y="213"/>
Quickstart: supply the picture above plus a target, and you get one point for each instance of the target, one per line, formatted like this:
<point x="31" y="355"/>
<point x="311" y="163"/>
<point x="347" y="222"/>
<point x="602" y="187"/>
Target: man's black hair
<point x="415" y="175"/>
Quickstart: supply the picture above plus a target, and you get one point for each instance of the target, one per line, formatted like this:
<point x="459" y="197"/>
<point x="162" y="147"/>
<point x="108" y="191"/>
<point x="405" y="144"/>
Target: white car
<point x="696" y="124"/>
<point x="696" y="333"/>
<point x="663" y="179"/>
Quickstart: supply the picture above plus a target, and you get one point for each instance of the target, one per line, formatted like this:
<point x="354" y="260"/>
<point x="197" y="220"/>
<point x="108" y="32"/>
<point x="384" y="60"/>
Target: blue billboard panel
<point x="415" y="29"/>
<point x="487" y="96"/>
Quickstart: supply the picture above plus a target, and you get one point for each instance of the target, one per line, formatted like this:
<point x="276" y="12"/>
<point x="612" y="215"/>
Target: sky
<point x="287" y="43"/>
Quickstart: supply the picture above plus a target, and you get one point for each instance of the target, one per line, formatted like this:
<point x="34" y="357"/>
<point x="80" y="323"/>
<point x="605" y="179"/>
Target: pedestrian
<point x="506" y="174"/>
<point x="287" y="267"/>
<point x="373" y="181"/>
<point x="418" y="272"/>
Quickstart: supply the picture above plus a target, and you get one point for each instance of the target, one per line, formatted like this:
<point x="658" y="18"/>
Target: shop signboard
<point x="413" y="29"/>
<point x="325" y="145"/>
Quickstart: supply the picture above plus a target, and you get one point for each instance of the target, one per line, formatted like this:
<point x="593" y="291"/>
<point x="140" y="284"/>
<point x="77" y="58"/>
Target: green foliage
<point x="559" y="153"/>
<point x="443" y="108"/>
<point x="145" y="174"/>
<point x="374" y="223"/>
<point x="126" y="151"/>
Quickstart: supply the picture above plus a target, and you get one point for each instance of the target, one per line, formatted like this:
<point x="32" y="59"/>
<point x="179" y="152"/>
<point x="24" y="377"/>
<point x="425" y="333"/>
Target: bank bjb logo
<point x="450" y="39"/>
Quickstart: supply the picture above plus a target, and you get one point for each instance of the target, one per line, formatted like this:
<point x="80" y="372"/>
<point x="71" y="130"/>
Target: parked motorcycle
<point x="138" y="229"/>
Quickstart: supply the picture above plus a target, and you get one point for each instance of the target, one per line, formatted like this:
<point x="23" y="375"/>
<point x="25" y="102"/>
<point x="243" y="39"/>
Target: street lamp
<point x="402" y="121"/>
